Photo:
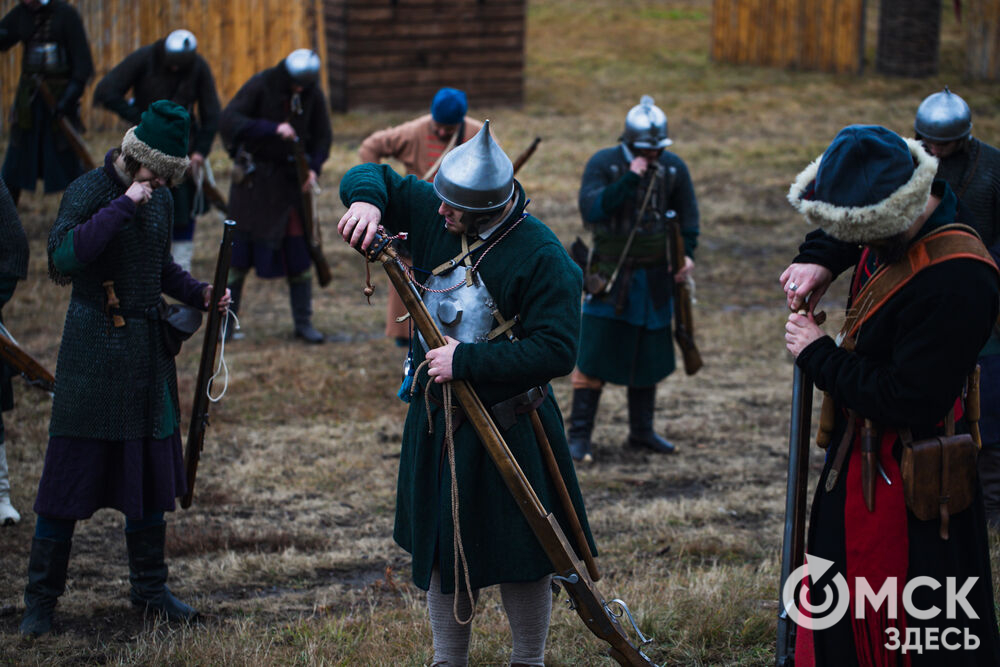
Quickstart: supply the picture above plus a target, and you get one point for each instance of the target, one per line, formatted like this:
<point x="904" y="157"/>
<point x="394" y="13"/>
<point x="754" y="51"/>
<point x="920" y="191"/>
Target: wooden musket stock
<point x="570" y="571"/>
<point x="15" y="356"/>
<point x="683" y="317"/>
<point x="526" y="155"/>
<point x="214" y="197"/>
<point x="72" y="136"/>
<point x="199" y="410"/>
<point x="794" y="541"/>
<point x="309" y="222"/>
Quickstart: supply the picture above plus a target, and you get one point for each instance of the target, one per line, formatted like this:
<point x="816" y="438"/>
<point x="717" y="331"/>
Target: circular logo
<point x="834" y="600"/>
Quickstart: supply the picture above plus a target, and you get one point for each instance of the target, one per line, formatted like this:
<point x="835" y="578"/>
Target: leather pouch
<point x="178" y="323"/>
<point x="939" y="476"/>
<point x="593" y="283"/>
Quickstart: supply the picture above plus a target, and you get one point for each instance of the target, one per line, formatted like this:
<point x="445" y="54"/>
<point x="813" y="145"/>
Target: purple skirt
<point x="289" y="259"/>
<point x="135" y="477"/>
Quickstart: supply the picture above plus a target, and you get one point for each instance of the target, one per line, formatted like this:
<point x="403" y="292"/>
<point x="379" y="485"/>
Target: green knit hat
<point x="160" y="140"/>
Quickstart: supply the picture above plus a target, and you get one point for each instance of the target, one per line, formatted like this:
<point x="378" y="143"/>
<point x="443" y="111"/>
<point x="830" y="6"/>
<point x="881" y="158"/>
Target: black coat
<point x="37" y="148"/>
<point x="907" y="369"/>
<point x="145" y="73"/>
<point x="261" y="202"/>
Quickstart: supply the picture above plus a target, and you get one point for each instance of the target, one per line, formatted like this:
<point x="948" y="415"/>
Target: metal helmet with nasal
<point x="646" y="126"/>
<point x="477" y="176"/>
<point x="943" y="117"/>
<point x="303" y="66"/>
<point x="179" y="49"/>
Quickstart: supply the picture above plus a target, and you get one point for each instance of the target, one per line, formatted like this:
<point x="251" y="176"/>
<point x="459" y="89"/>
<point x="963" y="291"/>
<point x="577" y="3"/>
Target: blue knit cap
<point x="449" y="106"/>
<point x="863" y="166"/>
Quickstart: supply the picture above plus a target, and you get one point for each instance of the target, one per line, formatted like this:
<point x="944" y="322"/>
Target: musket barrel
<point x="199" y="410"/>
<point x="793" y="540"/>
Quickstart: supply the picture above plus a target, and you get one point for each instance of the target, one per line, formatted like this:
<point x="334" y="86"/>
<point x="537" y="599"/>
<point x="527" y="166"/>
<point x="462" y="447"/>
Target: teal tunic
<point x="528" y="273"/>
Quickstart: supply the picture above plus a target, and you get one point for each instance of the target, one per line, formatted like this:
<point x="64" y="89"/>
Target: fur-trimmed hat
<point x="869" y="184"/>
<point x="160" y="141"/>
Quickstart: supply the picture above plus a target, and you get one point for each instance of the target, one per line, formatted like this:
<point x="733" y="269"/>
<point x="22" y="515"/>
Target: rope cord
<point x="222" y="366"/>
<point x="410" y="270"/>
<point x="458" y="548"/>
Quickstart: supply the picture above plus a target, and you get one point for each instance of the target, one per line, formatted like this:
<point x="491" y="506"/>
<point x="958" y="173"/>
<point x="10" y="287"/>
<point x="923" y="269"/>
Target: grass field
<point x="287" y="549"/>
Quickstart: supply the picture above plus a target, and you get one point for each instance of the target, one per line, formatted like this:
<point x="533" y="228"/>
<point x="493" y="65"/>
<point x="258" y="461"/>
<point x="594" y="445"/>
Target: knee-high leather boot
<point x="581" y="422"/>
<point x="641" y="402"/>
<point x="148" y="574"/>
<point x="46" y="582"/>
<point x="300" y="293"/>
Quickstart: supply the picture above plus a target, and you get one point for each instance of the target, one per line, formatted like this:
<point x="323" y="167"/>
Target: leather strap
<point x="955" y="241"/>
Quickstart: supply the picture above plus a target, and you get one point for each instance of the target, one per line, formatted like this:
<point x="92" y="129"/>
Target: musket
<point x="15" y="356"/>
<point x="72" y="136"/>
<point x="199" y="410"/>
<point x="793" y="544"/>
<point x="683" y="317"/>
<point x="214" y="197"/>
<point x="310" y="223"/>
<point x="526" y="155"/>
<point x="599" y="615"/>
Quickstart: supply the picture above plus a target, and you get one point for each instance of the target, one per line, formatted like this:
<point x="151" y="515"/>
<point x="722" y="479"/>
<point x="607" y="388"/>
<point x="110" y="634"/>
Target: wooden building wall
<point x="823" y="35"/>
<point x="981" y="22"/>
<point x="237" y="37"/>
<point x="397" y="53"/>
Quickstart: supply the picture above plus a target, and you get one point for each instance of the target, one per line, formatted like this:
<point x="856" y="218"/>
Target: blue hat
<point x="449" y="106"/>
<point x="869" y="184"/>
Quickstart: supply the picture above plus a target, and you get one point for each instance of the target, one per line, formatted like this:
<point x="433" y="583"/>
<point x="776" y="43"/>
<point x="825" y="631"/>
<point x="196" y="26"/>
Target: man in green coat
<point x="483" y="261"/>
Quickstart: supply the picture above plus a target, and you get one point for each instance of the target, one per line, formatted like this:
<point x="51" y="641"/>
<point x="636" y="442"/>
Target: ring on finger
<point x="793" y="287"/>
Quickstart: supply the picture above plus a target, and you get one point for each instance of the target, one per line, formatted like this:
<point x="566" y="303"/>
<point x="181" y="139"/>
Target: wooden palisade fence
<point x="981" y="22"/>
<point x="825" y="35"/>
<point x="375" y="53"/>
<point x="237" y="37"/>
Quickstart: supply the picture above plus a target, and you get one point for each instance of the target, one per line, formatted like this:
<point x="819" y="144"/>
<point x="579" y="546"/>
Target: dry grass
<point x="288" y="547"/>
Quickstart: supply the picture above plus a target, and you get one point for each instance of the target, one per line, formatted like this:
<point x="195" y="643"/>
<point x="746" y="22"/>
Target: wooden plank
<point x="443" y="28"/>
<point x="431" y="76"/>
<point x="436" y="59"/>
<point x="467" y="43"/>
<point x="469" y="14"/>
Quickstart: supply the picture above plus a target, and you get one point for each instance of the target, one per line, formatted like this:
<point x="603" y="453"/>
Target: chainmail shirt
<point x="974" y="175"/>
<point x="114" y="383"/>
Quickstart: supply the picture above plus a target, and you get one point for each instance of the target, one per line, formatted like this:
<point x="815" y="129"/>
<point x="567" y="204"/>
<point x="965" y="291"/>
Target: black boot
<point x="148" y="575"/>
<point x="300" y="292"/>
<point x="581" y="423"/>
<point x="235" y="293"/>
<point x="46" y="582"/>
<point x="641" y="402"/>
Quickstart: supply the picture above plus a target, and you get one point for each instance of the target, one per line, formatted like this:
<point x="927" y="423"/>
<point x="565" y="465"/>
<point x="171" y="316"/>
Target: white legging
<point x="528" y="606"/>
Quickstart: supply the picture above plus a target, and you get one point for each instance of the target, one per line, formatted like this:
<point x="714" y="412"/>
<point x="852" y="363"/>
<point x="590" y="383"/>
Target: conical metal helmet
<point x="646" y="126"/>
<point x="303" y="67"/>
<point x="179" y="48"/>
<point x="943" y="117"/>
<point x="476" y="176"/>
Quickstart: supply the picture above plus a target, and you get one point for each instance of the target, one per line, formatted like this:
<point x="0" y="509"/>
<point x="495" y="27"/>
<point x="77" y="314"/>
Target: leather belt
<point x="505" y="412"/>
